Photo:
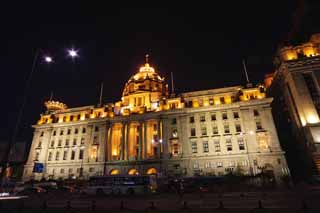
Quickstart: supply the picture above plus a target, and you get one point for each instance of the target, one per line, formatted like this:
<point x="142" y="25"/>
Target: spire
<point x="147" y="58"/>
<point x="246" y="73"/>
<point x="51" y="95"/>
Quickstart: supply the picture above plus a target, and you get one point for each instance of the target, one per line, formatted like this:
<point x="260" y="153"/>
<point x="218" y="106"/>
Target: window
<point x="37" y="156"/>
<point x="69" y="132"/>
<point x="229" y="144"/>
<point x="222" y="100"/>
<point x="59" y="142"/>
<point x="73" y="154"/>
<point x="76" y="130"/>
<point x="74" y="142"/>
<point x="61" y="132"/>
<point x="196" y="165"/>
<point x="217" y="145"/>
<point x="258" y="125"/>
<point x="70" y="170"/>
<point x="244" y="163"/>
<point x="224" y="116"/>
<point x="211" y="102"/>
<point x="67" y="142"/>
<point x="219" y="164"/>
<point x="78" y="170"/>
<point x="57" y="155"/>
<point x="194" y="147"/>
<point x="203" y="131"/>
<point x="52" y="144"/>
<point x="175" y="149"/>
<point x="232" y="164"/>
<point x="62" y="171"/>
<point x="95" y="140"/>
<point x="313" y="90"/>
<point x="255" y="162"/>
<point x="83" y="130"/>
<point x="54" y="133"/>
<point x="91" y="169"/>
<point x="82" y="141"/>
<point x="50" y="156"/>
<point x="191" y="119"/>
<point x="96" y="128"/>
<point x="205" y="147"/>
<point x="193" y="132"/>
<point x="202" y="118"/>
<point x="213" y="117"/>
<point x="174" y="121"/>
<point x="226" y="128"/>
<point x="235" y="115"/>
<point x="238" y="128"/>
<point x="41" y="134"/>
<point x="39" y="144"/>
<point x="215" y="130"/>
<point x="255" y="112"/>
<point x="279" y="161"/>
<point x="207" y="165"/>
<point x="65" y="155"/>
<point x="81" y="154"/>
<point x="241" y="144"/>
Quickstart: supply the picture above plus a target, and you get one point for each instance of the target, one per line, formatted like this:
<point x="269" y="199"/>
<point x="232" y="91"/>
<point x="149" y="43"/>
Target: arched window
<point x="151" y="171"/>
<point x="133" y="172"/>
<point x="114" y="172"/>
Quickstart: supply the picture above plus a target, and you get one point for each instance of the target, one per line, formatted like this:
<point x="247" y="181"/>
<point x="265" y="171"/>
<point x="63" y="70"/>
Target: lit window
<point x="94" y="152"/>
<point x="241" y="144"/>
<point x="235" y="115"/>
<point x="191" y="119"/>
<point x="194" y="147"/>
<point x="205" y="146"/>
<point x="203" y="131"/>
<point x="217" y="145"/>
<point x="211" y="101"/>
<point x="229" y="144"/>
<point x="193" y="132"/>
<point x="196" y="165"/>
<point x="219" y="164"/>
<point x="202" y="118"/>
<point x="207" y="165"/>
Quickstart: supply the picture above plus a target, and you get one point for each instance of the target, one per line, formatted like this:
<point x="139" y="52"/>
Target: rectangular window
<point x="95" y="140"/>
<point x="91" y="169"/>
<point x="222" y="100"/>
<point x="217" y="145"/>
<point x="96" y="128"/>
<point x="232" y="164"/>
<point x="226" y="128"/>
<point x="39" y="144"/>
<point x="215" y="130"/>
<point x="76" y="130"/>
<point x="207" y="165"/>
<point x="258" y="125"/>
<point x="41" y="134"/>
<point x="211" y="101"/>
<point x="229" y="144"/>
<point x="191" y="119"/>
<point x="52" y="144"/>
<point x="74" y="142"/>
<point x="73" y="154"/>
<point x="235" y="115"/>
<point x="65" y="155"/>
<point x="205" y="147"/>
<point x="175" y="149"/>
<point x="83" y="130"/>
<point x="238" y="128"/>
<point x="50" y="156"/>
<point x="37" y="156"/>
<point x="81" y="154"/>
<point x="241" y="144"/>
<point x="203" y="131"/>
<point x="213" y="117"/>
<point x="61" y="132"/>
<point x="255" y="113"/>
<point x="57" y="156"/>
<point x="61" y="171"/>
<point x="193" y="132"/>
<point x="202" y="118"/>
<point x="174" y="121"/>
<point x="54" y="133"/>
<point x="154" y="127"/>
<point x="67" y="142"/>
<point x="69" y="132"/>
<point x="59" y="143"/>
<point x="219" y="164"/>
<point x="224" y="116"/>
<point x="82" y="141"/>
<point x="194" y="147"/>
<point x="70" y="170"/>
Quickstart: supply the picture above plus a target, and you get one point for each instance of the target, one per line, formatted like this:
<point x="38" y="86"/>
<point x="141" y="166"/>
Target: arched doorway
<point x="152" y="171"/>
<point x="114" y="172"/>
<point x="133" y="172"/>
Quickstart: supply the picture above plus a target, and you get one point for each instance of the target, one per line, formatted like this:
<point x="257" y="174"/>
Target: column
<point x="110" y="143"/>
<point x="140" y="141"/>
<point x="122" y="141"/>
<point x="159" y="138"/>
<point x="127" y="141"/>
<point x="145" y="141"/>
<point x="106" y="148"/>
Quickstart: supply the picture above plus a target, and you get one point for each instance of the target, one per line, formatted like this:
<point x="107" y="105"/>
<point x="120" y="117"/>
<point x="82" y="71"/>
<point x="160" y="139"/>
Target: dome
<point x="146" y="72"/>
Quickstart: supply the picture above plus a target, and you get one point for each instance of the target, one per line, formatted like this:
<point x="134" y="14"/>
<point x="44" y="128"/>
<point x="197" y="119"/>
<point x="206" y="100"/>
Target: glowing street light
<point x="72" y="53"/>
<point x="48" y="59"/>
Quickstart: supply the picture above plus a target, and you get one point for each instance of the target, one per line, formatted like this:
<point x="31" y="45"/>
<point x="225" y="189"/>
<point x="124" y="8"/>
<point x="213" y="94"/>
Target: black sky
<point x="202" y="44"/>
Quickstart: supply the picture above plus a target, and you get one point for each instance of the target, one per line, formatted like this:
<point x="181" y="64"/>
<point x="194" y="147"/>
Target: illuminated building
<point x="295" y="87"/>
<point x="148" y="131"/>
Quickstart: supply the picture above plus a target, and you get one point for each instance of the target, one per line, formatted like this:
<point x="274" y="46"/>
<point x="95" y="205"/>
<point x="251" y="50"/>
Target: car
<point x="32" y="190"/>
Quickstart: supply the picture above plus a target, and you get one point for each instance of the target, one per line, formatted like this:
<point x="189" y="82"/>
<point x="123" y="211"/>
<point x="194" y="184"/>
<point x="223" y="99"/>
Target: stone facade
<point x="210" y="132"/>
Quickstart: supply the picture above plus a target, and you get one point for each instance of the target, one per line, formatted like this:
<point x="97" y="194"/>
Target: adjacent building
<point x="295" y="86"/>
<point x="209" y="132"/>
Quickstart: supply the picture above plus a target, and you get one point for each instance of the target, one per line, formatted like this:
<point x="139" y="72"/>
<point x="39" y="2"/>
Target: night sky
<point x="202" y="44"/>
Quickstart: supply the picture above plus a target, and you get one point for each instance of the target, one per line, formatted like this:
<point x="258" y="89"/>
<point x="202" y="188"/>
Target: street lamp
<point x="72" y="53"/>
